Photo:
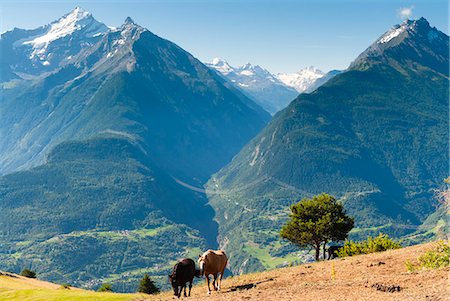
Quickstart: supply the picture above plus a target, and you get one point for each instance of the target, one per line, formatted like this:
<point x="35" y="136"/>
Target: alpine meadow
<point x="125" y="158"/>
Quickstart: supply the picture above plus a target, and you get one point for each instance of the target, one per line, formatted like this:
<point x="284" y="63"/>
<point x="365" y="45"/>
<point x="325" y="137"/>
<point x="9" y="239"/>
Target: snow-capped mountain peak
<point x="403" y="42"/>
<point x="272" y="92"/>
<point x="302" y="79"/>
<point x="256" y="82"/>
<point x="221" y="65"/>
<point x="124" y="35"/>
<point x="409" y="28"/>
<point x="254" y="70"/>
<point x="396" y="31"/>
<point x="248" y="66"/>
<point x="130" y="26"/>
<point x="128" y="20"/>
<point x="218" y="61"/>
<point x="77" y="20"/>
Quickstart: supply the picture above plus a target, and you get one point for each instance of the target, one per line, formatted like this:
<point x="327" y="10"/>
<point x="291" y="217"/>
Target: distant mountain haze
<point x="272" y="92"/>
<point x="129" y="83"/>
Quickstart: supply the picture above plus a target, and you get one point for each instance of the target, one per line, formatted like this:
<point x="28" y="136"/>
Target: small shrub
<point x="439" y="257"/>
<point x="350" y="248"/>
<point x="28" y="273"/>
<point x="436" y="258"/>
<point x="65" y="286"/>
<point x="378" y="244"/>
<point x="106" y="287"/>
<point x="410" y="266"/>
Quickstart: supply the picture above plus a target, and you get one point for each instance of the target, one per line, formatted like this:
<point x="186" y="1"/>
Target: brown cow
<point x="212" y="263"/>
<point x="182" y="273"/>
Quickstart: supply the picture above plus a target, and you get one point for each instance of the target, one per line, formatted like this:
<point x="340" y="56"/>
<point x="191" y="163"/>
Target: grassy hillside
<point x="15" y="287"/>
<point x="351" y="278"/>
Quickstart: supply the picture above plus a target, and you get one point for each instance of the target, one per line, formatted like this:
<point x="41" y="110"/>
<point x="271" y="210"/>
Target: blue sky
<point x="282" y="36"/>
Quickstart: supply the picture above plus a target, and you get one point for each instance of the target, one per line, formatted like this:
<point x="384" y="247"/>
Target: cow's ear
<point x="199" y="256"/>
<point x="170" y="276"/>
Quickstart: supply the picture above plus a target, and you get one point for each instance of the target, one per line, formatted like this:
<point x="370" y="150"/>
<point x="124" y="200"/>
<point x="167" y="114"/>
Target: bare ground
<point x="378" y="276"/>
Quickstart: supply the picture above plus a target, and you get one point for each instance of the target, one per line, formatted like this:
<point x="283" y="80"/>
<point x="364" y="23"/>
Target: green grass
<point x="62" y="295"/>
<point x="111" y="235"/>
<point x="264" y="256"/>
<point x="22" y="289"/>
<point x="370" y="229"/>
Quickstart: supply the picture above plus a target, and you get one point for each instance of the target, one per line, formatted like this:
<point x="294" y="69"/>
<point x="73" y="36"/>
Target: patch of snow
<point x="247" y="73"/>
<point x="119" y="42"/>
<point x="76" y="20"/>
<point x="391" y="34"/>
<point x="302" y="79"/>
<point x="407" y="25"/>
<point x="45" y="63"/>
<point x="221" y="65"/>
<point x="260" y="84"/>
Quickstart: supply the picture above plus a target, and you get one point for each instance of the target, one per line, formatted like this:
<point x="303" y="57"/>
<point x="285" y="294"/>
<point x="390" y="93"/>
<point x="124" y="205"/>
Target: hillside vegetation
<point x="375" y="137"/>
<point x="120" y="217"/>
<point x="91" y="153"/>
<point x="363" y="277"/>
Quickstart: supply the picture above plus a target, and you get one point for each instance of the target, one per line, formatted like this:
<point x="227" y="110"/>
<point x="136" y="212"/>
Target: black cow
<point x="182" y="273"/>
<point x="332" y="252"/>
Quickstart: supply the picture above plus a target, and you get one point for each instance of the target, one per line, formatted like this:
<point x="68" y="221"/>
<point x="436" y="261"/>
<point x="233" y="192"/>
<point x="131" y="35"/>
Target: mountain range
<point x="120" y="152"/>
<point x="102" y="133"/>
<point x="375" y="136"/>
<point x="270" y="91"/>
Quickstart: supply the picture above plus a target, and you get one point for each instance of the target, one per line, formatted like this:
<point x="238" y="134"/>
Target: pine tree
<point x="317" y="221"/>
<point x="147" y="286"/>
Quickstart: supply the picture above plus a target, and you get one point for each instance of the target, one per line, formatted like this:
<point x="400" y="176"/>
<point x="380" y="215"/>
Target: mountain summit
<point x="301" y="80"/>
<point x="31" y="52"/>
<point x="128" y="20"/>
<point x="408" y="43"/>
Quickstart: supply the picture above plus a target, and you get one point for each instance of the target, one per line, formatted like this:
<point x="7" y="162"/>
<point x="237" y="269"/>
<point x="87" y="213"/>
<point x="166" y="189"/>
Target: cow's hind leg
<point x="219" y="283"/>
<point x="215" y="281"/>
<point x="190" y="287"/>
<point x="185" y="290"/>
<point x="207" y="281"/>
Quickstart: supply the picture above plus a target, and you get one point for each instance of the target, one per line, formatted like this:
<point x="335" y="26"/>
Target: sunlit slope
<point x="14" y="288"/>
